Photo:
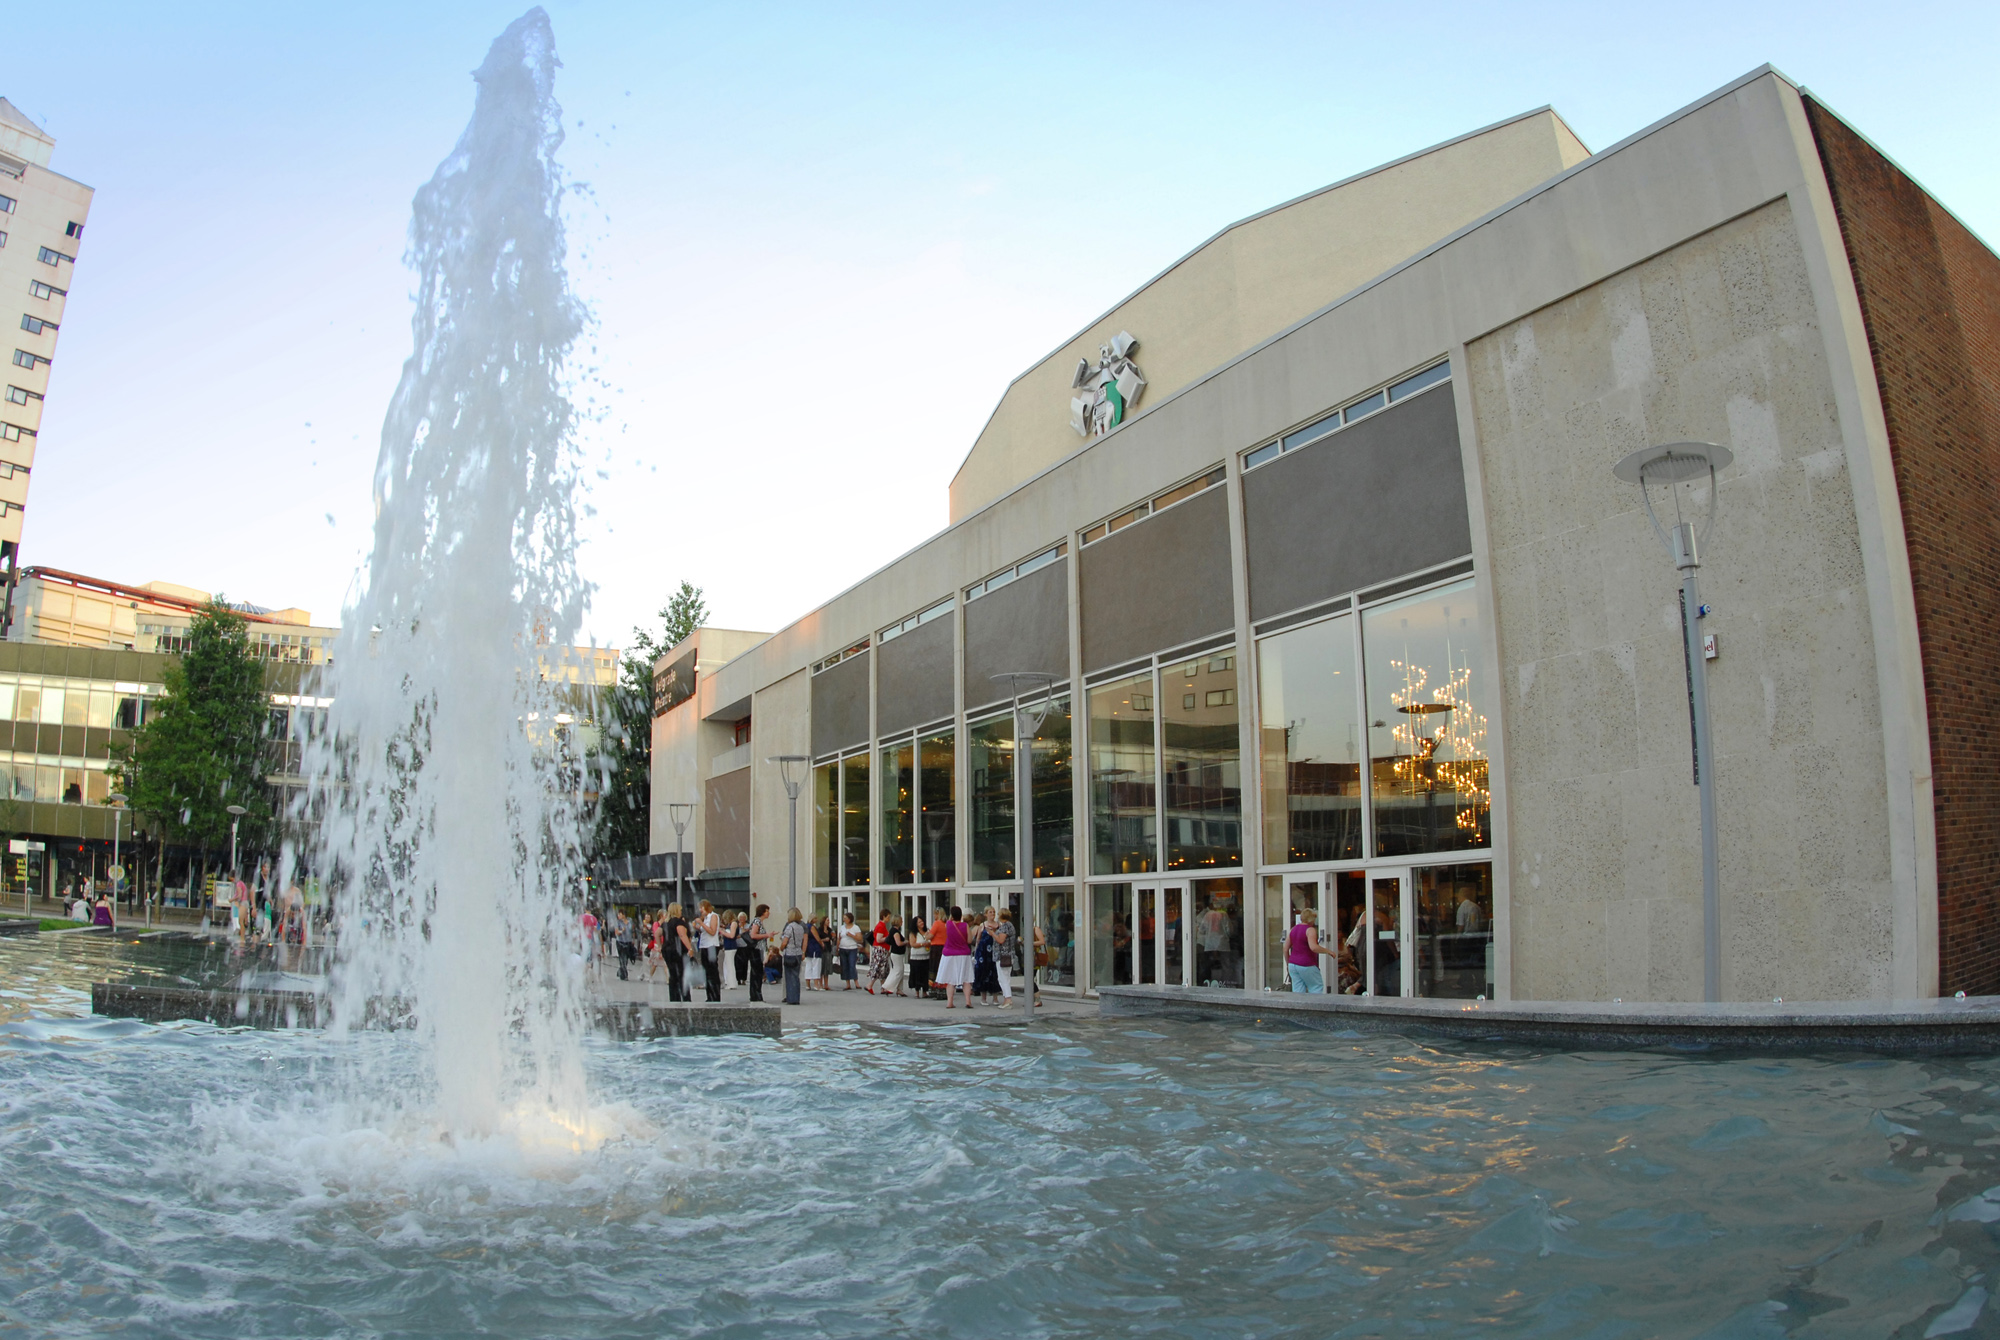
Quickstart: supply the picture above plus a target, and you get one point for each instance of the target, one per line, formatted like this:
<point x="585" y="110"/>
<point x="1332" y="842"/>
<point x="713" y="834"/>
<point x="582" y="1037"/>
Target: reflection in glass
<point x="1384" y="937"/>
<point x="1350" y="909"/>
<point x="1201" y="762"/>
<point x="1055" y="814"/>
<point x="1110" y="935"/>
<point x="1173" y="945"/>
<point x="96" y="787"/>
<point x="1123" y="816"/>
<point x="1455" y="931"/>
<point x="100" y="709"/>
<point x="990" y="754"/>
<point x="1309" y="703"/>
<point x="826" y="825"/>
<point x="48" y="784"/>
<point x="937" y="833"/>
<point x="28" y="703"/>
<point x="1148" y="930"/>
<point x="1058" y="925"/>
<point x="1276" y="925"/>
<point x="76" y="709"/>
<point x="1218" y="932"/>
<point x="854" y="818"/>
<point x="1426" y="729"/>
<point x="898" y="820"/>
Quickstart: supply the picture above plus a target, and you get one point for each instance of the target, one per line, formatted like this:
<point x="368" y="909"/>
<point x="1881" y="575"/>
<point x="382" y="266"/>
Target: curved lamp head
<point x="1030" y="685"/>
<point x="788" y="765"/>
<point x="1671" y="464"/>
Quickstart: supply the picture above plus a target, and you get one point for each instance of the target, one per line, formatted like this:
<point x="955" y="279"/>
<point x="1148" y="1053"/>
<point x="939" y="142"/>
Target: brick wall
<point x="1930" y="297"/>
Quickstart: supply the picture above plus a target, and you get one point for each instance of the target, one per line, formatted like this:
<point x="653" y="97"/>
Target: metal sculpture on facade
<point x="1105" y="394"/>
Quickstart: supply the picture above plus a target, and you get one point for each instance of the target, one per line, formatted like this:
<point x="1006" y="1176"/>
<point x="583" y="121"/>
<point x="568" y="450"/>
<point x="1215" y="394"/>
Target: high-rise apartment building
<point x="42" y="215"/>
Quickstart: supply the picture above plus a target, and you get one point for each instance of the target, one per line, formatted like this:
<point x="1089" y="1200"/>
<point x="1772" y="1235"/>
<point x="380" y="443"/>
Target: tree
<point x="201" y="748"/>
<point x="625" y="763"/>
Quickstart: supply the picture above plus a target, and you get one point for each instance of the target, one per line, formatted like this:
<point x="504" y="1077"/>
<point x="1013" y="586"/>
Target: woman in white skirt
<point x="955" y="962"/>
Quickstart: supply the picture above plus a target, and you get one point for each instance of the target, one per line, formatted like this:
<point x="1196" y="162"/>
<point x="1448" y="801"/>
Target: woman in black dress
<point x="985" y="963"/>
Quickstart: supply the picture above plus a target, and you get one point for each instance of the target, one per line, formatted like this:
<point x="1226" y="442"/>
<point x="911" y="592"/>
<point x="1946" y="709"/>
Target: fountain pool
<point x="1095" y="1178"/>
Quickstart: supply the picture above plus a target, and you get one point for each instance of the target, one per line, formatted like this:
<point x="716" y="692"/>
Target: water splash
<point x="447" y="825"/>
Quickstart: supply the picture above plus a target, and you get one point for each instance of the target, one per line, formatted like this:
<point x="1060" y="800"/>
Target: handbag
<point x="1041" y="958"/>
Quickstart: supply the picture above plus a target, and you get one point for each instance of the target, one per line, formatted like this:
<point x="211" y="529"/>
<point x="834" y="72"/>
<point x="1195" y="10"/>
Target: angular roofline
<point x="1220" y="368"/>
<point x="1247" y="219"/>
<point x="1891" y="160"/>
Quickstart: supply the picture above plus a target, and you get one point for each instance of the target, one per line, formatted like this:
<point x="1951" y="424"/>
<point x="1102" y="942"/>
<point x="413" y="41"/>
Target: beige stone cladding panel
<point x="1716" y="340"/>
<point x="676" y="775"/>
<point x="781" y="723"/>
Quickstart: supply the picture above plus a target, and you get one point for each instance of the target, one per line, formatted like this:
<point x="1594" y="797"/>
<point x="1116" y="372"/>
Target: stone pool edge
<point x="1927" y="1026"/>
<point x="232" y="1008"/>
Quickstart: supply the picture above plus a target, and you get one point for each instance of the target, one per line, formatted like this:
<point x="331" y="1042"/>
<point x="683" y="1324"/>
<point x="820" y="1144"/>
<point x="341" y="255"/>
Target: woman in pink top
<point x="955" y="960"/>
<point x="1302" y="953"/>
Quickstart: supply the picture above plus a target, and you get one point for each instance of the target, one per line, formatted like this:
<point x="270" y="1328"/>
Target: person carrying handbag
<point x="709" y="943"/>
<point x="792" y="950"/>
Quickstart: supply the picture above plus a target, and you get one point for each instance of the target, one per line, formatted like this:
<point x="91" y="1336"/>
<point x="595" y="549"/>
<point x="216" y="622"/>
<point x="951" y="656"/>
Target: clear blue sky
<point x="820" y="242"/>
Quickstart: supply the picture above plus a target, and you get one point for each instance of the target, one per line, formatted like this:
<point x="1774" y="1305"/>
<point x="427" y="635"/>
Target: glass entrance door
<point x="1387" y="917"/>
<point x="916" y="907"/>
<point x="1160" y="938"/>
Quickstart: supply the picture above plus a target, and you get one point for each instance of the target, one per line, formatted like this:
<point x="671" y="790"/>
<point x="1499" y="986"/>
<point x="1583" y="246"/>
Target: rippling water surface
<point x="1088" y="1179"/>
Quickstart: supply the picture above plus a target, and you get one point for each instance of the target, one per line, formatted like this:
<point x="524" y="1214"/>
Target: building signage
<point x="1105" y="394"/>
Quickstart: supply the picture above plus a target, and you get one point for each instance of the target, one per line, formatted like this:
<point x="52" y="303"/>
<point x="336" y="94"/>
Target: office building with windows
<point x="42" y="217"/>
<point x="1317" y="538"/>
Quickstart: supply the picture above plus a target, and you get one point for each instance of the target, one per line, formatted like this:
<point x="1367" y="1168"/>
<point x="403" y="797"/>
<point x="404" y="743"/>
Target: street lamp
<point x="787" y="762"/>
<point x="1028" y="719"/>
<point x="118" y="799"/>
<point x="1671" y="466"/>
<point x="679" y="812"/>
<point x="236" y="813"/>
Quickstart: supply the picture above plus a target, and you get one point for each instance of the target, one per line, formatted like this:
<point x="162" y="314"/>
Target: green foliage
<point x="58" y="924"/>
<point x="201" y="748"/>
<point x="624" y="807"/>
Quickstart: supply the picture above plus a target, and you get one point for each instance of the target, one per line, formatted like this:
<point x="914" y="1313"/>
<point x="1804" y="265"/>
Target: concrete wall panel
<point x="726" y="821"/>
<point x="1716" y="340"/>
<point x="1373" y="501"/>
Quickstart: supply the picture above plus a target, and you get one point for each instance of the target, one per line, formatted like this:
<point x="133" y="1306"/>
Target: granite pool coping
<point x="1929" y="1026"/>
<point x="258" y="1008"/>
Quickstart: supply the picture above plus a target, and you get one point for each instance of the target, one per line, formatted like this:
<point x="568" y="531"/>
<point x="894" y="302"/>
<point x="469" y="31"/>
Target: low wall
<point x="230" y="1007"/>
<point x="1930" y="1026"/>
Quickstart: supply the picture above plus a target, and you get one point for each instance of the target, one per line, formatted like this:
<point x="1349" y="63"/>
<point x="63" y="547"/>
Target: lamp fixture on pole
<point x="236" y="813"/>
<point x="117" y="871"/>
<point x="787" y="763"/>
<point x="1038" y="691"/>
<point x="1681" y="468"/>
<point x="678" y="813"/>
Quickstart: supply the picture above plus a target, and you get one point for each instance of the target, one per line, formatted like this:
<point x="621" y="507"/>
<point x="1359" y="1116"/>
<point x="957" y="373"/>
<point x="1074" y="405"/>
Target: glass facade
<point x="1455" y="931"/>
<point x="897" y="818"/>
<point x="75" y="770"/>
<point x="1055" y="811"/>
<point x="1426" y="732"/>
<point x="1057" y="962"/>
<point x="1110" y="935"/>
<point x="1309" y="712"/>
<point x="990" y="760"/>
<point x="938" y="804"/>
<point x="826" y="825"/>
<point x="1218" y="932"/>
<point x="1124" y="815"/>
<point x="854" y="818"/>
<point x="1201" y="763"/>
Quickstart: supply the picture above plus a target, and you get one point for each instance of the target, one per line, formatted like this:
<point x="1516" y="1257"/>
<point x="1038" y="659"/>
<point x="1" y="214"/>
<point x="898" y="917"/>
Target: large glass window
<point x="1309" y="705"/>
<point x="826" y="825"/>
<point x="938" y="796"/>
<point x="1123" y="814"/>
<point x="100" y="707"/>
<point x="990" y="756"/>
<point x="1110" y="935"/>
<point x="1201" y="762"/>
<point x="1426" y="726"/>
<point x="1218" y="932"/>
<point x="1055" y="814"/>
<point x="52" y="703"/>
<point x="1455" y="931"/>
<point x="854" y="818"/>
<point x="898" y="817"/>
<point x="28" y="703"/>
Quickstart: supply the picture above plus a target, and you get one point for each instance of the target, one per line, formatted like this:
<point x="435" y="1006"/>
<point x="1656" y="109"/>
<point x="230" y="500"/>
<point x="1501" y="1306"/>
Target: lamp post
<point x="236" y="813"/>
<point x="787" y="762"/>
<point x="679" y="812"/>
<point x="1673" y="465"/>
<point x="118" y="799"/>
<point x="1028" y="719"/>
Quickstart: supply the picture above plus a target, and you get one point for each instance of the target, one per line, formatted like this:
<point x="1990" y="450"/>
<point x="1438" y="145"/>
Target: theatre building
<point x="1317" y="537"/>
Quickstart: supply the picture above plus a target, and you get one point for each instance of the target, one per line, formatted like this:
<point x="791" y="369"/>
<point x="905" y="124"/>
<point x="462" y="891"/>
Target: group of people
<point x="260" y="914"/>
<point x="952" y="957"/>
<point x="698" y="952"/>
<point x="1304" y="950"/>
<point x="86" y="910"/>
